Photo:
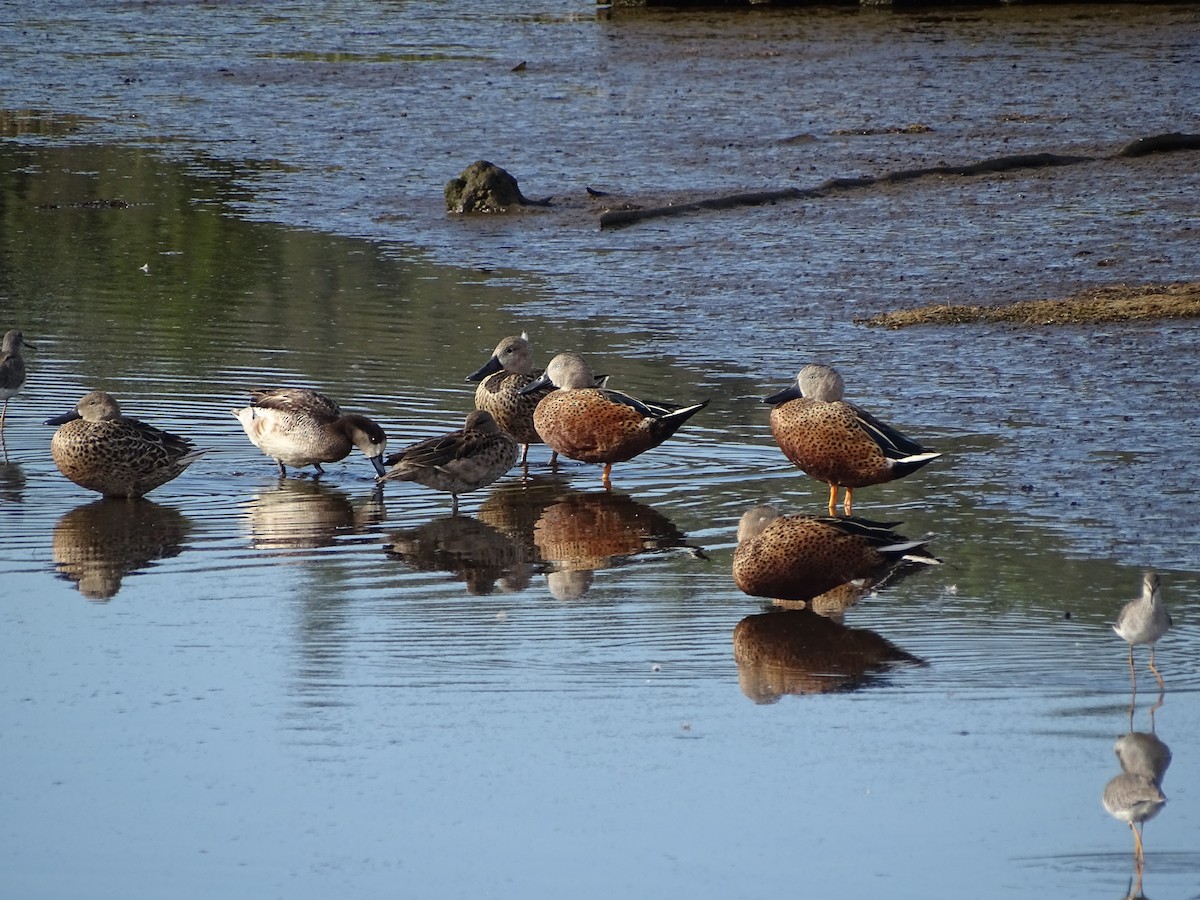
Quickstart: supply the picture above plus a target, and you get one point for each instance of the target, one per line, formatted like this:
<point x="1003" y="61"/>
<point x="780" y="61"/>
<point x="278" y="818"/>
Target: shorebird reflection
<point x="1136" y="796"/>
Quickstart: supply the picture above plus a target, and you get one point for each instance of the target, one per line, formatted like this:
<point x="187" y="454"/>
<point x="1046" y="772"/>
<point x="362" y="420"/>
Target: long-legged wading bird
<point x="12" y="369"/>
<point x="101" y="450"/>
<point x="598" y="425"/>
<point x="1144" y="620"/>
<point x="301" y="427"/>
<point x="835" y="441"/>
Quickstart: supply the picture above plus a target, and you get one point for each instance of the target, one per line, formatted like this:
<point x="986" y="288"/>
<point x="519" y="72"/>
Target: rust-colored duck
<point x="837" y="442"/>
<point x="598" y="425"/>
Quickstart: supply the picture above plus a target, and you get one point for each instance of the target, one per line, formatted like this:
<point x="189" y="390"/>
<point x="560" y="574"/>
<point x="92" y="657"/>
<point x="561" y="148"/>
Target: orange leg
<point x="1139" y="852"/>
<point x="846" y="505"/>
<point x="1154" y="670"/>
<point x="607" y="476"/>
<point x="833" y="499"/>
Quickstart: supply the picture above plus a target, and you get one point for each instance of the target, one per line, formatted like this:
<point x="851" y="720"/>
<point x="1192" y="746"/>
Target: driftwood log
<point x="1161" y="143"/>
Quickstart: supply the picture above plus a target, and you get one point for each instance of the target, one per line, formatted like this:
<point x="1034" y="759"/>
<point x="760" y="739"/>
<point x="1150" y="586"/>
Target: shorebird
<point x="1144" y="620"/>
<point x="12" y="369"/>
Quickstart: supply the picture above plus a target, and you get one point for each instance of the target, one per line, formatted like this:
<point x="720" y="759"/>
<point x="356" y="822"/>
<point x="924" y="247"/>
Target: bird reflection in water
<point x="514" y="507"/>
<point x="583" y="532"/>
<point x="96" y="545"/>
<point x="471" y="551"/>
<point x="12" y="482"/>
<point x="800" y="652"/>
<point x="303" y="514"/>
<point x="1135" y="796"/>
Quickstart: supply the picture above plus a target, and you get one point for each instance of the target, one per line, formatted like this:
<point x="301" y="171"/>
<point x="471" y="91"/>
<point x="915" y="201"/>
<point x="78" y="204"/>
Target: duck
<point x="800" y="557"/>
<point x="459" y="462"/>
<point x="596" y="424"/>
<point x="501" y="378"/>
<point x="102" y="450"/>
<point x="1144" y="620"/>
<point x="838" y="442"/>
<point x="12" y="369"/>
<point x="302" y="427"/>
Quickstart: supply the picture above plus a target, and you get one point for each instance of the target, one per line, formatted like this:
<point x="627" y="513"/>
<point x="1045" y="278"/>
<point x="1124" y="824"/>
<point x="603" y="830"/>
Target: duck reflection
<point x="1135" y="796"/>
<point x="96" y="545"/>
<point x="305" y="514"/>
<point x="471" y="551"/>
<point x="582" y="532"/>
<point x="800" y="652"/>
<point x="514" y="508"/>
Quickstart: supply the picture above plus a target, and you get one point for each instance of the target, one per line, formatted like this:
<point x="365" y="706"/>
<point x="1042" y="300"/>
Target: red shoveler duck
<point x="837" y="442"/>
<point x="595" y="424"/>
<point x="800" y="557"/>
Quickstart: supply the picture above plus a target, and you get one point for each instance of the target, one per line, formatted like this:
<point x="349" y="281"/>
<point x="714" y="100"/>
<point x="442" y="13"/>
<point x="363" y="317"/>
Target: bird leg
<point x="607" y="477"/>
<point x="1158" y="704"/>
<point x="524" y="453"/>
<point x="846" y="505"/>
<point x="282" y="468"/>
<point x="833" y="488"/>
<point x="1132" y="671"/>
<point x="1155" y="671"/>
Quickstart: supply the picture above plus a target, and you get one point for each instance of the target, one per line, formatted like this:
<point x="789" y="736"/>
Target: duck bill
<point x="536" y="384"/>
<point x="377" y="462"/>
<point x="490" y="367"/>
<point x="64" y="418"/>
<point x="788" y="393"/>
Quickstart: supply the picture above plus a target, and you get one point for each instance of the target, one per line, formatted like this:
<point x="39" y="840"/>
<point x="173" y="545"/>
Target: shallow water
<point x="253" y="687"/>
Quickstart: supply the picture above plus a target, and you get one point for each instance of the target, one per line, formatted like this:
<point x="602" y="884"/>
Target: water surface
<point x="254" y="687"/>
